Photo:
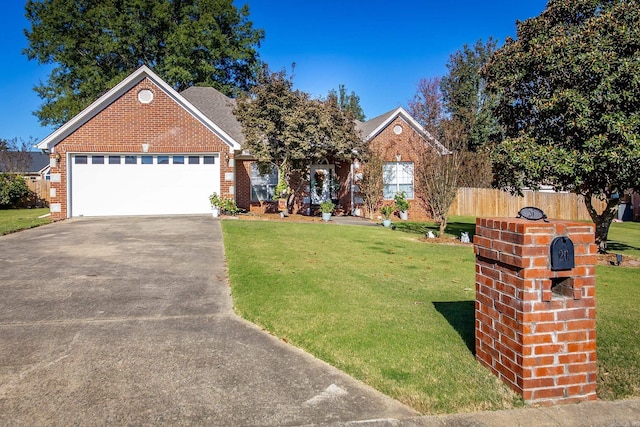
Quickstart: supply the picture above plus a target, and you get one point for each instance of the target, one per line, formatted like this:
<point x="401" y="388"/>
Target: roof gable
<point x="120" y="89"/>
<point x="371" y="128"/>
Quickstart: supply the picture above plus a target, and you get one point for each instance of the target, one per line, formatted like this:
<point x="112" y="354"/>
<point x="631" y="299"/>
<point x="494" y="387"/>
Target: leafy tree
<point x="95" y="44"/>
<point x="287" y="129"/>
<point x="349" y="103"/>
<point x="431" y="109"/>
<point x="569" y="103"/>
<point x="427" y="105"/>
<point x="464" y="93"/>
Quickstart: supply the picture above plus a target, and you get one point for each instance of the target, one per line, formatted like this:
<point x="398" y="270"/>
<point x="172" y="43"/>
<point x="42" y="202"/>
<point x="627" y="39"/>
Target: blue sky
<point x="379" y="49"/>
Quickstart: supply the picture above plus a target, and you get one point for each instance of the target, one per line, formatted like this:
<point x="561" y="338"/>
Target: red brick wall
<point x="387" y="143"/>
<point x="542" y="343"/>
<point x="243" y="183"/>
<point x="406" y="145"/>
<point x="126" y="124"/>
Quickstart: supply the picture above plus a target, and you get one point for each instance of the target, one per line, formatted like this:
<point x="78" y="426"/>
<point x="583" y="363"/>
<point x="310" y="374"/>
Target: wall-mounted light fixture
<point x="58" y="158"/>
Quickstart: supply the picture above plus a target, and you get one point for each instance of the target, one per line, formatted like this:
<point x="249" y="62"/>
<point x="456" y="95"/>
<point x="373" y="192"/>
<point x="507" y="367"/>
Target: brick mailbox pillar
<point x="535" y="307"/>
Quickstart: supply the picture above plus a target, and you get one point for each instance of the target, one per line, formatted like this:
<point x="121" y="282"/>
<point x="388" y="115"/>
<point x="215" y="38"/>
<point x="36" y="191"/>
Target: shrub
<point x="401" y="202"/>
<point x="327" y="206"/>
<point x="13" y="189"/>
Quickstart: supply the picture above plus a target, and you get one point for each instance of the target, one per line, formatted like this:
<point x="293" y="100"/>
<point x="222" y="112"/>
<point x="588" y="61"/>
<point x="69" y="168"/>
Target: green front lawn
<point x="624" y="238"/>
<point x="12" y="220"/>
<point x="618" y="331"/>
<point x="398" y="313"/>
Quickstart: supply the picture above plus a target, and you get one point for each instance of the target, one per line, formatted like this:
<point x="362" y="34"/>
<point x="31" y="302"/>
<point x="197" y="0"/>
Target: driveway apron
<point x="129" y="321"/>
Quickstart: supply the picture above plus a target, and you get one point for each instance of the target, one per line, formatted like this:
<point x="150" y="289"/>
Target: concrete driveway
<point x="129" y="321"/>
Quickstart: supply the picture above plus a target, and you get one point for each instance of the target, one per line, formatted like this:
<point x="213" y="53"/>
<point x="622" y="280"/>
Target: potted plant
<point x="402" y="205"/>
<point x="327" y="208"/>
<point x="229" y="206"/>
<point x="387" y="211"/>
<point x="216" y="204"/>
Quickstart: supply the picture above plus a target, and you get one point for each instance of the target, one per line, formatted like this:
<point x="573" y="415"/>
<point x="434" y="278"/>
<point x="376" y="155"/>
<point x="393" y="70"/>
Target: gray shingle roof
<point x="372" y="124"/>
<point x="37" y="161"/>
<point x="217" y="107"/>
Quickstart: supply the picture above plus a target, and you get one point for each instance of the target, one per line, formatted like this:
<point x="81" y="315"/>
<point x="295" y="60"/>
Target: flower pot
<point x="326" y="216"/>
<point x="215" y="211"/>
<point x="386" y="223"/>
<point x="404" y="215"/>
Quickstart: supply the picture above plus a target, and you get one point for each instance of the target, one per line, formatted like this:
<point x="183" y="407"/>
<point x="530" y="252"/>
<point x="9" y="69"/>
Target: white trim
<point x="404" y="115"/>
<point x="120" y="89"/>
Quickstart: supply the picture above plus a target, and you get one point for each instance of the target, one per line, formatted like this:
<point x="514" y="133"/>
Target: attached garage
<point x="125" y="184"/>
<point x="141" y="149"/>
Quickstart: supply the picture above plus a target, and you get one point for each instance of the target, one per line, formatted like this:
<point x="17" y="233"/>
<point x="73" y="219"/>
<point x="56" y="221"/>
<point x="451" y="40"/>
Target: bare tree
<point x="14" y="155"/>
<point x="440" y="175"/>
<point x="371" y="184"/>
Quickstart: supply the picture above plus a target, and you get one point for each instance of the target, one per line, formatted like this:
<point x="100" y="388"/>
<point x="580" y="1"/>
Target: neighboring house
<point x="144" y="149"/>
<point x="38" y="164"/>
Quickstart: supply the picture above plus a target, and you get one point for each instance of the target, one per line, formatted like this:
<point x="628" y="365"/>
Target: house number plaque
<point x="562" y="254"/>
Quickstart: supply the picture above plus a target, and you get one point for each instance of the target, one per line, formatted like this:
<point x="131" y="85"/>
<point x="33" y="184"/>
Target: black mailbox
<point x="562" y="255"/>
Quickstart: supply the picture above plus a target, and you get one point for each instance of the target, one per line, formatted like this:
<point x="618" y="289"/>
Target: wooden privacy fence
<point x="41" y="189"/>
<point x="488" y="202"/>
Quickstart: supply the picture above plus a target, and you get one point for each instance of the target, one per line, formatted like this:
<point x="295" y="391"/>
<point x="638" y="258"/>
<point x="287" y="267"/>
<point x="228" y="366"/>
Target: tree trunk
<point x="290" y="202"/>
<point x="443" y="225"/>
<point x="602" y="220"/>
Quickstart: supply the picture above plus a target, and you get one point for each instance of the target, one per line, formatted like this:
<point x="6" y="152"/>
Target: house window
<point x="97" y="160"/>
<point x="114" y="160"/>
<point x="262" y="186"/>
<point x="194" y="160"/>
<point x="146" y="160"/>
<point x="397" y="177"/>
<point x="178" y="160"/>
<point x="130" y="160"/>
<point x="209" y="160"/>
<point x="163" y="160"/>
<point x="80" y="160"/>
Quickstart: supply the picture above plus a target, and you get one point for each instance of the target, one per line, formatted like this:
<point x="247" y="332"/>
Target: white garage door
<point x="158" y="184"/>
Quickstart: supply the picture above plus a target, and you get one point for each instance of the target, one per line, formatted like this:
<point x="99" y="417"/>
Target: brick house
<point x="144" y="149"/>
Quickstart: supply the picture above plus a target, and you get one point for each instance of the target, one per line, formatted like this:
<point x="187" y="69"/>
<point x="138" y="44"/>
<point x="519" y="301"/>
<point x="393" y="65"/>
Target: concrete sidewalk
<point x="606" y="414"/>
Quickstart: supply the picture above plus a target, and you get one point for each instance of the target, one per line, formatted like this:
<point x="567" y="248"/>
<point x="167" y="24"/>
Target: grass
<point x="377" y="304"/>
<point x="398" y="314"/>
<point x="455" y="226"/>
<point x="624" y="238"/>
<point x="12" y="220"/>
<point x="618" y="332"/>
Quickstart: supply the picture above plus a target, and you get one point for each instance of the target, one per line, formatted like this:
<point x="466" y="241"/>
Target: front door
<point x="324" y="183"/>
